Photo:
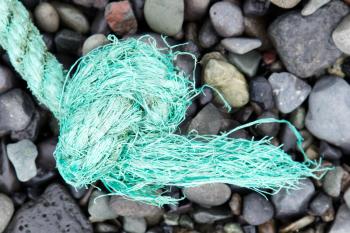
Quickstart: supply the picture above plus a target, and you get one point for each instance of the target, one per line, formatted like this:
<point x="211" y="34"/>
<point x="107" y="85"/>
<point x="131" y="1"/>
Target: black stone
<point x="69" y="42"/>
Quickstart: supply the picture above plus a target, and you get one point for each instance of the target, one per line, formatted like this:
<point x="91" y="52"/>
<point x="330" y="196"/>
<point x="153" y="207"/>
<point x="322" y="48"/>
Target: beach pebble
<point x="69" y="42"/>
<point x="233" y="228"/>
<point x="47" y="17"/>
<point x="268" y="129"/>
<point x="207" y="35"/>
<point x="9" y="183"/>
<point x="227" y="19"/>
<point x="7" y="79"/>
<point x="164" y="16"/>
<point x="311" y="36"/>
<point x="312" y="6"/>
<point x="341" y="35"/>
<point x="285" y="3"/>
<point x="297" y="225"/>
<point x="22" y="155"/>
<point x="93" y="42"/>
<point x="134" y="224"/>
<point x="247" y="63"/>
<point x="321" y="204"/>
<point x="7" y="209"/>
<point x="260" y="92"/>
<point x="209" y="216"/>
<point x="332" y="181"/>
<point x="297" y="117"/>
<point x="256" y="27"/>
<point x="120" y="18"/>
<point x="228" y="80"/>
<point x="289" y="91"/>
<point x="130" y="208"/>
<point x="341" y="223"/>
<point x="257" y="209"/>
<point x="212" y="194"/>
<point x="329" y="111"/>
<point x="195" y="9"/>
<point x="99" y="208"/>
<point x="255" y="7"/>
<point x="240" y="45"/>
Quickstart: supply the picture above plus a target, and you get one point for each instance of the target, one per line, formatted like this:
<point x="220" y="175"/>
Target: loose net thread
<point x="118" y="115"/>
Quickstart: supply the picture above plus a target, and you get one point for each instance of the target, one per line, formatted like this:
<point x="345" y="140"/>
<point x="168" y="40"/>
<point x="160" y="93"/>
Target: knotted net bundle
<point x="119" y="108"/>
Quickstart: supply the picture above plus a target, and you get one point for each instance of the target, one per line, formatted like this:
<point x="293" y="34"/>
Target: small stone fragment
<point x="255" y="7"/>
<point x="240" y="45"/>
<point x="299" y="224"/>
<point x="7" y="79"/>
<point x="207" y="36"/>
<point x="134" y="224"/>
<point x="285" y="3"/>
<point x="22" y="155"/>
<point x="247" y="63"/>
<point x="209" y="216"/>
<point x="130" y="208"/>
<point x="47" y="17"/>
<point x="341" y="36"/>
<point x="297" y="117"/>
<point x="68" y="41"/>
<point x="93" y="42"/>
<point x="260" y="92"/>
<point x="7" y="209"/>
<point x="332" y="182"/>
<point x="99" y="208"/>
<point x="321" y="204"/>
<point x="120" y="18"/>
<point x="232" y="228"/>
<point x="257" y="209"/>
<point x="312" y="6"/>
<point x="195" y="9"/>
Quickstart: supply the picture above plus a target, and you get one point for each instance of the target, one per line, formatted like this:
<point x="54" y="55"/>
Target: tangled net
<point x="118" y="116"/>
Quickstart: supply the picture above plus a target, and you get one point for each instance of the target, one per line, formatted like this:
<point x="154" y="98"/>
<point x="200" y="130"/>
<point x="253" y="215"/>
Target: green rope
<point x="118" y="115"/>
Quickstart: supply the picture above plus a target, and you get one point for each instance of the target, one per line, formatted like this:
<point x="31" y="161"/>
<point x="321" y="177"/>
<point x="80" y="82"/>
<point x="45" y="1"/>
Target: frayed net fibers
<point x="118" y="115"/>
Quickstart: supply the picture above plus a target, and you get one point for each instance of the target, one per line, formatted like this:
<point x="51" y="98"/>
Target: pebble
<point x="7" y="79"/>
<point x="312" y="6"/>
<point x="47" y="17"/>
<point x="329" y="152"/>
<point x="297" y="117"/>
<point x="106" y="228"/>
<point x="164" y="16"/>
<point x="195" y="9"/>
<point x="120" y="18"/>
<point x="93" y="42"/>
<point x="72" y="17"/>
<point x="292" y="30"/>
<point x="236" y="204"/>
<point x="257" y="209"/>
<point x="92" y="3"/>
<point x="68" y="41"/>
<point x="16" y="111"/>
<point x="268" y="129"/>
<point x="329" y="111"/>
<point x="299" y="224"/>
<point x="321" y="204"/>
<point x="99" y="208"/>
<point x="7" y="209"/>
<point x="99" y="24"/>
<point x="289" y="203"/>
<point x="285" y="4"/>
<point x="289" y="91"/>
<point x="8" y="180"/>
<point x="207" y="36"/>
<point x="32" y="130"/>
<point x="228" y="80"/>
<point x="347" y="197"/>
<point x="227" y="19"/>
<point x="255" y="27"/>
<point x="186" y="221"/>
<point x="332" y="182"/>
<point x="341" y="36"/>
<point x="130" y="208"/>
<point x="260" y="92"/>
<point x="255" y="7"/>
<point x="22" y="155"/>
<point x="288" y="139"/>
<point x="45" y="158"/>
<point x="232" y="228"/>
<point x="268" y="227"/>
<point x="212" y="194"/>
<point x="341" y="223"/>
<point x="54" y="210"/>
<point x="240" y="45"/>
<point x="209" y="216"/>
<point x="247" y="63"/>
<point x="206" y="96"/>
<point x="134" y="224"/>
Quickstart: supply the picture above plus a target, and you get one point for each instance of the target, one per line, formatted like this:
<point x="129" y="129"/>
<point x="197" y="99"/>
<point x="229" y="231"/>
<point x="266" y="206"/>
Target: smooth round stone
<point x="130" y="208"/>
<point x="213" y="194"/>
<point x="93" y="42"/>
<point x="195" y="9"/>
<point x="285" y="3"/>
<point x="227" y="19"/>
<point x="332" y="181"/>
<point x="248" y="63"/>
<point x="207" y="36"/>
<point x="72" y="17"/>
<point x="341" y="35"/>
<point x="210" y="215"/>
<point x="47" y="17"/>
<point x="257" y="209"/>
<point x="240" y="45"/>
<point x="321" y="204"/>
<point x="6" y="211"/>
<point x="68" y="41"/>
<point x="312" y="6"/>
<point x="164" y="16"/>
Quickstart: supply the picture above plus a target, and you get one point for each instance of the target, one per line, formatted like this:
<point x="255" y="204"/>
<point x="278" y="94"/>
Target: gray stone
<point x="16" y="111"/>
<point x="321" y="204"/>
<point x="212" y="194"/>
<point x="130" y="208"/>
<point x="285" y="4"/>
<point x="332" y="181"/>
<point x="312" y="6"/>
<point x="22" y="155"/>
<point x="247" y="63"/>
<point x="195" y="9"/>
<point x="9" y="183"/>
<point x="303" y="43"/>
<point x="240" y="45"/>
<point x="347" y="197"/>
<point x="329" y="152"/>
<point x="7" y="209"/>
<point x="46" y="17"/>
<point x="268" y="129"/>
<point x="341" y="35"/>
<point x="257" y="209"/>
<point x="255" y="27"/>
<point x="7" y="79"/>
<point x="32" y="130"/>
<point x="54" y="211"/>
<point x="208" y="121"/>
<point x="289" y="91"/>
<point x="289" y="203"/>
<point x="72" y="17"/>
<point x="227" y="19"/>
<point x="255" y="7"/>
<point x="134" y="224"/>
<point x="106" y="228"/>
<point x="297" y="117"/>
<point x="99" y="208"/>
<point x="341" y="223"/>
<point x="260" y="92"/>
<point x="100" y="4"/>
<point x="209" y="216"/>
<point x="232" y="228"/>
<point x="329" y="111"/>
<point x="164" y="16"/>
<point x="93" y="42"/>
<point x="207" y="36"/>
<point x="69" y="42"/>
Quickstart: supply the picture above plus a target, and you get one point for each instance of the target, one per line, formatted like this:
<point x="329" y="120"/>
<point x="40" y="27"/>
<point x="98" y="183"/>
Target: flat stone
<point x="130" y="208"/>
<point x="257" y="209"/>
<point x="290" y="203"/>
<point x="22" y="155"/>
<point x="47" y="17"/>
<point x="120" y="18"/>
<point x="341" y="35"/>
<point x="329" y="111"/>
<point x="247" y="63"/>
<point x="228" y="80"/>
<point x="207" y="36"/>
<point x="209" y="216"/>
<point x="99" y="208"/>
<point x="134" y="224"/>
<point x="196" y="9"/>
<point x="54" y="211"/>
<point x="291" y="34"/>
<point x="240" y="45"/>
<point x="227" y="19"/>
<point x="285" y="4"/>
<point x="332" y="181"/>
<point x="212" y="194"/>
<point x="164" y="16"/>
<point x="72" y="17"/>
<point x="7" y="209"/>
<point x="289" y="91"/>
<point x="93" y="42"/>
<point x="341" y="223"/>
<point x="312" y="6"/>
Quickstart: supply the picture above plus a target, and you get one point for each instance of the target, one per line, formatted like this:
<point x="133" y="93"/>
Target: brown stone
<point x="120" y="18"/>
